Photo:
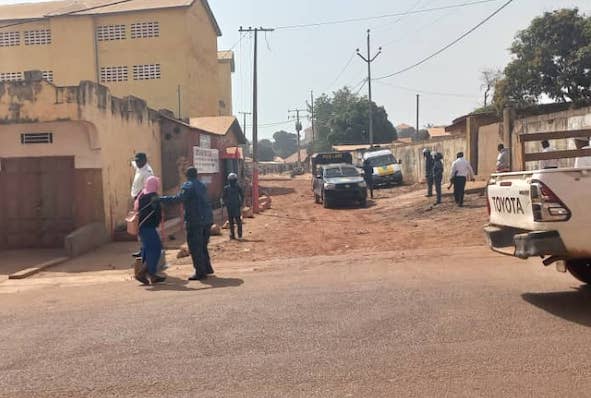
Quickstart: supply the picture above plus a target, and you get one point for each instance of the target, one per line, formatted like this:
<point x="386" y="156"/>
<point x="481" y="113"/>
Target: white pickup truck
<point x="543" y="213"/>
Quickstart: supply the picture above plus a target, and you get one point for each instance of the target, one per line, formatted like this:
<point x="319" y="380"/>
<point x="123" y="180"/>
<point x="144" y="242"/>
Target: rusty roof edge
<point x="211" y="16"/>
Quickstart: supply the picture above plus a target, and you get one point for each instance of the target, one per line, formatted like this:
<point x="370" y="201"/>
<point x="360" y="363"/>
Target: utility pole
<point x="179" y="97"/>
<point x="255" y="170"/>
<point x="244" y="114"/>
<point x="369" y="61"/>
<point x="418" y="103"/>
<point x="298" y="127"/>
<point x="312" y="117"/>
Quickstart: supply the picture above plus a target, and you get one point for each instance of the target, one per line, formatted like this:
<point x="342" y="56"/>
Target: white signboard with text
<point x="207" y="161"/>
<point x="205" y="141"/>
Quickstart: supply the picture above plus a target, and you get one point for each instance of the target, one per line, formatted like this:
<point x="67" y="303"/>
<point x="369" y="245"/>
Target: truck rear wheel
<point x="580" y="269"/>
<point x="325" y="202"/>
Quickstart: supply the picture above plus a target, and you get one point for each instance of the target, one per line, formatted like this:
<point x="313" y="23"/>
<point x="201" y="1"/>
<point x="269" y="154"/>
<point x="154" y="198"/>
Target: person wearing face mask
<point x="233" y="200"/>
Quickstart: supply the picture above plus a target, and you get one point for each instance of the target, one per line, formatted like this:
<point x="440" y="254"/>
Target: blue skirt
<point x="151" y="248"/>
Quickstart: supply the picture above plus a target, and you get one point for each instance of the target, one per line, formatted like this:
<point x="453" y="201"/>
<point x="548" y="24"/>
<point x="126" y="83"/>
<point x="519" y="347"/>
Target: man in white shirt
<point x="583" y="161"/>
<point x="142" y="172"/>
<point x="461" y="170"/>
<point x="550" y="163"/>
<point x="503" y="160"/>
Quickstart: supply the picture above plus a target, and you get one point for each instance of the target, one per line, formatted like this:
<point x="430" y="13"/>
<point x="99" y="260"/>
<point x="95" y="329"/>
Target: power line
<point x="498" y="10"/>
<point x="416" y="90"/>
<point x="64" y="14"/>
<point x="336" y="79"/>
<point x="384" y="16"/>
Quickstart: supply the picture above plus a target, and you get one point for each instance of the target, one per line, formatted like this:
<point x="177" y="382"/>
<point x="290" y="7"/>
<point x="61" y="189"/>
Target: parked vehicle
<point x="329" y="158"/>
<point x="386" y="169"/>
<point x="339" y="182"/>
<point x="543" y="213"/>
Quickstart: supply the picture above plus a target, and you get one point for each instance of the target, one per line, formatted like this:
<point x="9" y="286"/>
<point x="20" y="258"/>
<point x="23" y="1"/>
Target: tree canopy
<point x="343" y="119"/>
<point x="265" y="152"/>
<point x="285" y="144"/>
<point x="552" y="58"/>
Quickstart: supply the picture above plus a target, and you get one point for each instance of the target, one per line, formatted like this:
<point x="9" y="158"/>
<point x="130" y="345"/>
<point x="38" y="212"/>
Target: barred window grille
<point x="37" y="37"/>
<point x="110" y="32"/>
<point x="11" y="76"/>
<point x="10" y="39"/>
<point x="48" y="75"/>
<point x="36" y="138"/>
<point x="146" y="72"/>
<point x="142" y="30"/>
<point x="114" y="74"/>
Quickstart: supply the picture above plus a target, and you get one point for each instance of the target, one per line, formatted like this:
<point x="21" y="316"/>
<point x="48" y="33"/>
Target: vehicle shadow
<point x="352" y="206"/>
<point x="183" y="285"/>
<point x="573" y="306"/>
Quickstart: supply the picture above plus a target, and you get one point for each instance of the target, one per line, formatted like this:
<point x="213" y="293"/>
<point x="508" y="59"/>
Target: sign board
<point x="204" y="141"/>
<point x="207" y="161"/>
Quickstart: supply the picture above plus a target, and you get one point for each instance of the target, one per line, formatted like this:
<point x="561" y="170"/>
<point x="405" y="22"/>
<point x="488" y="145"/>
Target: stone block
<point x="85" y="239"/>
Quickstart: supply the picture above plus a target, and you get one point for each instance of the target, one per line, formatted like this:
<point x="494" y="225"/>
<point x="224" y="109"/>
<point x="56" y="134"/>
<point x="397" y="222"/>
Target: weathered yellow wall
<point x="489" y="137"/>
<point x="114" y="128"/>
<point x="225" y="88"/>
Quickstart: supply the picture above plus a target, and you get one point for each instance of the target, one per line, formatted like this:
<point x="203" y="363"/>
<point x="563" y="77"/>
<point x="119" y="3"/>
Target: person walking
<point x="142" y="172"/>
<point x="438" y="175"/>
<point x="368" y="175"/>
<point x="198" y="222"/>
<point x="150" y="216"/>
<point x="428" y="171"/>
<point x="461" y="171"/>
<point x="503" y="161"/>
<point x="233" y="200"/>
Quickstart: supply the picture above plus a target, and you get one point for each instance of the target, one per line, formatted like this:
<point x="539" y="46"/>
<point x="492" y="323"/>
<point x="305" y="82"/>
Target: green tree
<point x="265" y="152"/>
<point x="342" y="119"/>
<point x="285" y="143"/>
<point x="552" y="57"/>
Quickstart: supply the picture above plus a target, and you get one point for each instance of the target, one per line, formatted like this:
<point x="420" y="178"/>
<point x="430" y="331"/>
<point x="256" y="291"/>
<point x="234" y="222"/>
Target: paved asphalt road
<point x="419" y="323"/>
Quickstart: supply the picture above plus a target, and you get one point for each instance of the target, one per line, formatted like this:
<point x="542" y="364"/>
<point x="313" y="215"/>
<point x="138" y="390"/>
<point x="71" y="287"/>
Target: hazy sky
<point x="293" y="62"/>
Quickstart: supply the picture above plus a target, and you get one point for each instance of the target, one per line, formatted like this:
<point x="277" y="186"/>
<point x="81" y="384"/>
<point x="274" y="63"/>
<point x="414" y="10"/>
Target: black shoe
<point x="137" y="254"/>
<point x="232" y="237"/>
<point x="142" y="279"/>
<point x="197" y="277"/>
<point x="157" y="278"/>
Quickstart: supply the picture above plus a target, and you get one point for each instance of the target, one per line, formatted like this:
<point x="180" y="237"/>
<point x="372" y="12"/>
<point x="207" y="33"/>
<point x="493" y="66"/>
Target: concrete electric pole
<point x="369" y="61"/>
<point x="298" y="127"/>
<point x="255" y="170"/>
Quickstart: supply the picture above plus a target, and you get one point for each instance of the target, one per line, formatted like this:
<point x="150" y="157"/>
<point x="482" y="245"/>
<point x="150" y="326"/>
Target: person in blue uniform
<point x="233" y="199"/>
<point x="198" y="221"/>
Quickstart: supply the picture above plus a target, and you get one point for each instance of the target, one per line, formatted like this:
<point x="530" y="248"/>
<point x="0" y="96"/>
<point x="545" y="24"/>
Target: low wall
<point x="413" y="162"/>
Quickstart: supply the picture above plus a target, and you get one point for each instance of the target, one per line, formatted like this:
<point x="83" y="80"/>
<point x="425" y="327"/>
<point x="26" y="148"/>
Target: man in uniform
<point x="368" y="176"/>
<point x="233" y="199"/>
<point x="198" y="222"/>
<point x="428" y="171"/>
<point x="438" y="175"/>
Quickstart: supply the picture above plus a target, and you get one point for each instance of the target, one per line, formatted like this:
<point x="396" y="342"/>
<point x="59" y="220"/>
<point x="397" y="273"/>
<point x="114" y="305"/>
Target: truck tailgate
<point x="509" y="201"/>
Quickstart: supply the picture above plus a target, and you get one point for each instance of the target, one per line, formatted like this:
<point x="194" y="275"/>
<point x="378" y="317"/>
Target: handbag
<point x="133" y="220"/>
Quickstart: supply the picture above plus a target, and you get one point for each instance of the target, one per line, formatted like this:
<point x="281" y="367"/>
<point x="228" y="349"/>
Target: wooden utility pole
<point x="255" y="170"/>
<point x="369" y="61"/>
<point x="418" y="103"/>
<point x="298" y="127"/>
<point x="312" y="117"/>
<point x="244" y="114"/>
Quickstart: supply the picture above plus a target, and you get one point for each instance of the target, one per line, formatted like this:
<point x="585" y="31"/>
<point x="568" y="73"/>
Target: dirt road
<point x="394" y="300"/>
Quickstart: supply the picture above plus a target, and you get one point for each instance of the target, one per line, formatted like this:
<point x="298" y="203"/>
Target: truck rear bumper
<point x="524" y="244"/>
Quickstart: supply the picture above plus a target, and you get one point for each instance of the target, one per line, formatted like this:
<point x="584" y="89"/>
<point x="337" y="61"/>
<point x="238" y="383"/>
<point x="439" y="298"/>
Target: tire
<point x="363" y="203"/>
<point x="326" y="202"/>
<point x="580" y="269"/>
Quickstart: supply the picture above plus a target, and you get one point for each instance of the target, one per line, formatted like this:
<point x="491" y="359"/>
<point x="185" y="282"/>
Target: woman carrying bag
<point x="150" y="216"/>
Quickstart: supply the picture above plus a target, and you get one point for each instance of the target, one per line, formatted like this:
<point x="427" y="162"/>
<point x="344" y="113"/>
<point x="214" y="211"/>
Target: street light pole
<point x="369" y="61"/>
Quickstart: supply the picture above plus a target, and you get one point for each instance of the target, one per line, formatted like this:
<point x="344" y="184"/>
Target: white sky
<point x="293" y="62"/>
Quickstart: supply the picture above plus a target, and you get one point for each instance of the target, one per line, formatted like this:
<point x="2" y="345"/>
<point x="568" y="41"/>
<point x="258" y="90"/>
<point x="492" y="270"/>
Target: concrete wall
<point x="572" y="119"/>
<point x="489" y="137"/>
<point x="100" y="130"/>
<point x="413" y="162"/>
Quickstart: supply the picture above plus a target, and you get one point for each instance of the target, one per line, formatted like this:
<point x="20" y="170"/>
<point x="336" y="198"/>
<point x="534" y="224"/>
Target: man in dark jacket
<point x="368" y="176"/>
<point x="428" y="171"/>
<point x="198" y="221"/>
<point x="438" y="175"/>
<point x="233" y="199"/>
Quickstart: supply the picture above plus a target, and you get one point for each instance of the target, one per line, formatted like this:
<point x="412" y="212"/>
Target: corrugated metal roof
<point x="227" y="56"/>
<point x="31" y="11"/>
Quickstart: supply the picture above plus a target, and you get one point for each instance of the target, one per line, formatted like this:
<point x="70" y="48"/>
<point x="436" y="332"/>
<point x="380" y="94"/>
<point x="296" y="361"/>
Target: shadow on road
<point x="183" y="285"/>
<point x="573" y="306"/>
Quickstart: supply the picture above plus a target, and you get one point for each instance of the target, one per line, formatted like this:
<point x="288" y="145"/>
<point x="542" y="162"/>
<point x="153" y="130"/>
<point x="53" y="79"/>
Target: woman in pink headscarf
<point x="149" y="219"/>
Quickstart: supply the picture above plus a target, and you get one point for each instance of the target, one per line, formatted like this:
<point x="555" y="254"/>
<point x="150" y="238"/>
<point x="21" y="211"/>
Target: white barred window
<point x="110" y="32"/>
<point x="48" y="75"/>
<point x="146" y="72"/>
<point x="114" y="74"/>
<point x="11" y="76"/>
<point x="145" y="29"/>
<point x="10" y="39"/>
<point x="37" y="37"/>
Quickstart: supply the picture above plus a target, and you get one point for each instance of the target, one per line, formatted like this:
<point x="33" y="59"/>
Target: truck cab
<point x="339" y="182"/>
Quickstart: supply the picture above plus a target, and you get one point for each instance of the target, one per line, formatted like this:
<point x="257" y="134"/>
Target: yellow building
<point x="163" y="51"/>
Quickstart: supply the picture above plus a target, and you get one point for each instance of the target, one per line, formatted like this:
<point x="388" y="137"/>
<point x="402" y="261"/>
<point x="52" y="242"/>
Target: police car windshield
<point x="341" y="172"/>
<point x="382" y="160"/>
